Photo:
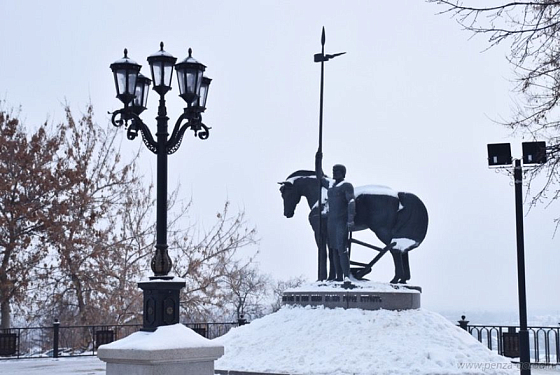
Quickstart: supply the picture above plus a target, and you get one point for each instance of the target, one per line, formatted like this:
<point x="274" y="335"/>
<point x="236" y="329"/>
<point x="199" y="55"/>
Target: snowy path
<point x="93" y="366"/>
<point x="61" y="366"/>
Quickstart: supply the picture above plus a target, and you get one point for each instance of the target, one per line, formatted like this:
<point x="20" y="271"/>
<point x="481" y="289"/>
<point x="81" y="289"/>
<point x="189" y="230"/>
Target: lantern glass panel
<point x="168" y="74"/>
<point x="121" y="81"/>
<point x="131" y="88"/>
<point x="157" y="74"/>
<point x="142" y="89"/>
<point x="126" y="81"/>
<point x="181" y="81"/>
<point x="204" y="91"/>
<point x="138" y="99"/>
<point x="145" y="94"/>
<point x="191" y="81"/>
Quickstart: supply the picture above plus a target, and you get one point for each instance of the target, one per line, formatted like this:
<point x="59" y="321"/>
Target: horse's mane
<point x="301" y="173"/>
<point x="304" y="173"/>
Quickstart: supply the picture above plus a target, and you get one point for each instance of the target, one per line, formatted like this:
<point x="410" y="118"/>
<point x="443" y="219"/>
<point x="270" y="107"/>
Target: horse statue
<point x="398" y="219"/>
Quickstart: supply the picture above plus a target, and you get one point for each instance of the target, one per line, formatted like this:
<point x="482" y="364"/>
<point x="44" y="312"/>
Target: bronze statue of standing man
<point x="342" y="209"/>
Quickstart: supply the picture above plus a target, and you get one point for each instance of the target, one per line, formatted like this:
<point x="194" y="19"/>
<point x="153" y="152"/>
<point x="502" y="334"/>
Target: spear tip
<point x="323" y="36"/>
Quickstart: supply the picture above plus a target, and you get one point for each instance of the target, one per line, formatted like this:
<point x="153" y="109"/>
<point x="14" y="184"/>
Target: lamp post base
<point x="161" y="302"/>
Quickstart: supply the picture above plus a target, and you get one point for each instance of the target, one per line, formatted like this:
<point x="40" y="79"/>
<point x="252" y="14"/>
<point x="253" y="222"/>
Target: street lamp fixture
<point x="125" y="72"/>
<point x="140" y="101"/>
<point x="499" y="155"/>
<point x="161" y="299"/>
<point x="189" y="75"/>
<point x="161" y="65"/>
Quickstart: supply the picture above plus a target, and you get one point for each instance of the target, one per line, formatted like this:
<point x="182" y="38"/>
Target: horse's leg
<point x="406" y="267"/>
<point x="332" y="267"/>
<point x="322" y="249"/>
<point x="331" y="252"/>
<point x="398" y="261"/>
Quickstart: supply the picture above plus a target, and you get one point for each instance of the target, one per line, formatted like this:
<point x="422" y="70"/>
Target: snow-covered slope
<point x="303" y="340"/>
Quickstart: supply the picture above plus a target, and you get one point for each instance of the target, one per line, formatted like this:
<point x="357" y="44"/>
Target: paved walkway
<point x="61" y="366"/>
<point x="93" y="366"/>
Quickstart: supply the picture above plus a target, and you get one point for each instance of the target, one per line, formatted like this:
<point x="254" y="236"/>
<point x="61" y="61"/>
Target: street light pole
<point x="523" y="332"/>
<point x="162" y="291"/>
<point x="499" y="155"/>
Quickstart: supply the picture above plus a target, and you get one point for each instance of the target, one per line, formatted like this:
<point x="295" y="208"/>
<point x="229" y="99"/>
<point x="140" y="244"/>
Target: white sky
<point x="409" y="106"/>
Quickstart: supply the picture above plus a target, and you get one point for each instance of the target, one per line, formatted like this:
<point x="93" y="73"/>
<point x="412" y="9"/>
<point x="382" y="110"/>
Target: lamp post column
<point x="161" y="262"/>
<point x="525" y="358"/>
<point x="161" y="299"/>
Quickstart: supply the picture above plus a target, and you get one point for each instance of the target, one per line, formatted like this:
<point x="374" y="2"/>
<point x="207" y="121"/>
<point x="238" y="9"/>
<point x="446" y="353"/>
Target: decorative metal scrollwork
<point x="173" y="147"/>
<point x="200" y="130"/>
<point x="205" y="133"/>
<point x="194" y="121"/>
<point x="132" y="132"/>
<point x="122" y="118"/>
<point x="149" y="141"/>
<point x="134" y="124"/>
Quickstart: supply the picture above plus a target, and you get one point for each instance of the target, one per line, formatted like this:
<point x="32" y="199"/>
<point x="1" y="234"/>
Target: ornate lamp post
<point x="161" y="293"/>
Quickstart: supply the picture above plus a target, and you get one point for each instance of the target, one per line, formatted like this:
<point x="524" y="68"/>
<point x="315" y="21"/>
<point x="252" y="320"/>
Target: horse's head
<point x="291" y="198"/>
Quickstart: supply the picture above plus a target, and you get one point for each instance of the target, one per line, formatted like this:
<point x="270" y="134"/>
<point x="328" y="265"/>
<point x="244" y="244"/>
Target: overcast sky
<point x="411" y="106"/>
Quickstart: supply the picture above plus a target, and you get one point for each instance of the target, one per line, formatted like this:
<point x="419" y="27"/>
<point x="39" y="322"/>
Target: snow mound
<point x="175" y="336"/>
<point x="304" y="340"/>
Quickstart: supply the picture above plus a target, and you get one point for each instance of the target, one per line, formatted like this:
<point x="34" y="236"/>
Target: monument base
<point x="365" y="295"/>
<point x="170" y="350"/>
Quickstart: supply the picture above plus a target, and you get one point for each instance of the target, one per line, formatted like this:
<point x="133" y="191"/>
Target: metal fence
<point x="69" y="341"/>
<point x="544" y="342"/>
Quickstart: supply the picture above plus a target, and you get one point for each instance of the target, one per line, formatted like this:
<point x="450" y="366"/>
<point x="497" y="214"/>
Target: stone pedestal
<point x="364" y="295"/>
<point x="170" y="350"/>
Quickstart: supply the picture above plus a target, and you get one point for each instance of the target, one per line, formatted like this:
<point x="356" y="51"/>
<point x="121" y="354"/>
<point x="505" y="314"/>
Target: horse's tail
<point x="412" y="219"/>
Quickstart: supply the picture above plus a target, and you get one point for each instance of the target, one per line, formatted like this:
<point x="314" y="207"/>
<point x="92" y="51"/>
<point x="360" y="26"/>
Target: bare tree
<point x="246" y="290"/>
<point x="77" y="229"/>
<point x="32" y="178"/>
<point x="203" y="257"/>
<point x="280" y="286"/>
<point x="132" y="242"/>
<point x="533" y="30"/>
<point x="80" y="234"/>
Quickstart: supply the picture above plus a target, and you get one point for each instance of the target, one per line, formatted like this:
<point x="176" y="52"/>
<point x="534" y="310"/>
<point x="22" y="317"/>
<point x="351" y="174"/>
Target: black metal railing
<point x="544" y="342"/>
<point x="69" y="341"/>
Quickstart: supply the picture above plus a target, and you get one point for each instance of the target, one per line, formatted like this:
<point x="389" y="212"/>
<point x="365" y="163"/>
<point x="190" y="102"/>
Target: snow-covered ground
<point x="61" y="366"/>
<point x="93" y="366"/>
<point x="319" y="341"/>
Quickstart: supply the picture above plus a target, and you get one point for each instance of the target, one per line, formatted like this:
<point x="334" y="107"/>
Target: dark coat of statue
<point x="399" y="220"/>
<point x="340" y="219"/>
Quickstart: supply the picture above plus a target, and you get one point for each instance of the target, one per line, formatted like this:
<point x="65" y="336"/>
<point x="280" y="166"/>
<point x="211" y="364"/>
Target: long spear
<point x="321" y="57"/>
